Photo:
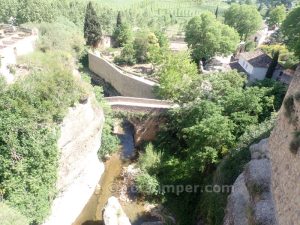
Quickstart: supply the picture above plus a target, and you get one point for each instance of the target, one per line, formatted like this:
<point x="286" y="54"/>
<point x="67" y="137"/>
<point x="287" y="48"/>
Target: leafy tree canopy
<point x="176" y="76"/>
<point x="291" y="29"/>
<point x="277" y="15"/>
<point x="244" y="18"/>
<point x="207" y="37"/>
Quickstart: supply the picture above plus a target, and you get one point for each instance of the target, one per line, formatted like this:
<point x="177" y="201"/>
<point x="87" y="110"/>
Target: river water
<point x="135" y="210"/>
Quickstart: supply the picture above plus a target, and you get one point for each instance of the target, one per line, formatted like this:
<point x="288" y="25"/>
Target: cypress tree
<point x="119" y="19"/>
<point x="92" y="26"/>
<point x="273" y="65"/>
<point x="217" y="12"/>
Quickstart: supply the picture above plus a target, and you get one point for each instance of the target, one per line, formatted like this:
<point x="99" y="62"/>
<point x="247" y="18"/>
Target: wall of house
<point x="247" y="66"/>
<point x="258" y="73"/>
<point x="126" y="84"/>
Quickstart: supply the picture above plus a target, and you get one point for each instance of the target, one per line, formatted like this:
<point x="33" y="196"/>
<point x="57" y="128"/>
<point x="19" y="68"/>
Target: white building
<point x="14" y="42"/>
<point x="256" y="64"/>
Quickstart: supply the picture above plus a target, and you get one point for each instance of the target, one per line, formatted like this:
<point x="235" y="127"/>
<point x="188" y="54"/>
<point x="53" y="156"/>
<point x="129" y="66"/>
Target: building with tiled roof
<point x="256" y="64"/>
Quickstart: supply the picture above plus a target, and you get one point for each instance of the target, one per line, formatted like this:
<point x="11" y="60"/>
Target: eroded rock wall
<point x="79" y="166"/>
<point x="285" y="163"/>
<point x="251" y="201"/>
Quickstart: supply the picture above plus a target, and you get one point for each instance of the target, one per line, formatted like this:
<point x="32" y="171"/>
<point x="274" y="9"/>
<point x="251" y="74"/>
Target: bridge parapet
<point x="146" y="105"/>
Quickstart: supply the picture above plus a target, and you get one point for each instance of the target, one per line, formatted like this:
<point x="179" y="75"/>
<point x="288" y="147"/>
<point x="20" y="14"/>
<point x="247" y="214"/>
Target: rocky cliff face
<point x="251" y="201"/>
<point x="285" y="159"/>
<point x="268" y="191"/>
<point x="79" y="167"/>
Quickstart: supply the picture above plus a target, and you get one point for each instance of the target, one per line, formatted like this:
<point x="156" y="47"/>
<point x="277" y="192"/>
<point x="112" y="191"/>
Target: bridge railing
<point x="143" y="102"/>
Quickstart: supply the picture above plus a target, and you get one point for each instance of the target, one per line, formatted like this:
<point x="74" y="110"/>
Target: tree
<point x="207" y="37"/>
<point x="122" y="32"/>
<point x="8" y="8"/>
<point x="244" y="18"/>
<point x="36" y="11"/>
<point x="291" y="30"/>
<point x="176" y="76"/>
<point x="119" y="19"/>
<point x="217" y="12"/>
<point x="273" y="65"/>
<point x="92" y="26"/>
<point x="127" y="56"/>
<point x="277" y="15"/>
<point x="146" y="46"/>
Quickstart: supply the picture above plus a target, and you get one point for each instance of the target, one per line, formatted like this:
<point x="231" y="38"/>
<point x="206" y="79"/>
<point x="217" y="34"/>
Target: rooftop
<point x="258" y="58"/>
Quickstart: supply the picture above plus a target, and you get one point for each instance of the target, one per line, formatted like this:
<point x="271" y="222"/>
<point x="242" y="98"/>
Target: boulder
<point x="114" y="214"/>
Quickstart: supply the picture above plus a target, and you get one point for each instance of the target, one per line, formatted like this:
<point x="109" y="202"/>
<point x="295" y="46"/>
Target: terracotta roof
<point x="258" y="58"/>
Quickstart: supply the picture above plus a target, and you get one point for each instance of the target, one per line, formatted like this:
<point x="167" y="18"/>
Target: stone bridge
<point x="146" y="105"/>
<point x="147" y="126"/>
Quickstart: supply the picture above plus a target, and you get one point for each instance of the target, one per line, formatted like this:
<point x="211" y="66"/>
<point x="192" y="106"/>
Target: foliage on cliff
<point x="32" y="108"/>
<point x="216" y="121"/>
<point x="109" y="141"/>
<point x="9" y="216"/>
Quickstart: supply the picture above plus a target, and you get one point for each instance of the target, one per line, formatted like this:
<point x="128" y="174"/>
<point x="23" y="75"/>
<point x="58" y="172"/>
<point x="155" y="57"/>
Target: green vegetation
<point x="286" y="58"/>
<point x="122" y="33"/>
<point x="273" y="65"/>
<point x="206" y="36"/>
<point x="176" y="75"/>
<point x="291" y="30"/>
<point x="147" y="47"/>
<point x="62" y="35"/>
<point x="277" y="15"/>
<point x="109" y="142"/>
<point x="32" y="108"/>
<point x="92" y="27"/>
<point x="206" y="139"/>
<point x="244" y="18"/>
<point x="9" y="216"/>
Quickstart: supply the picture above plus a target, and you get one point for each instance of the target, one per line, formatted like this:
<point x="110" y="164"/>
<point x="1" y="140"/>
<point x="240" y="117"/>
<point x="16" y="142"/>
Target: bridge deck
<point x="139" y="102"/>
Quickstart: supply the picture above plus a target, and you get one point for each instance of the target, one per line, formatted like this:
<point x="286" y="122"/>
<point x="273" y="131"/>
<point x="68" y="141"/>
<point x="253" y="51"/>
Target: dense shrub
<point x="32" y="108"/>
<point x="61" y="35"/>
<point x="10" y="216"/>
<point x="146" y="184"/>
<point x="127" y="56"/>
<point x="149" y="160"/>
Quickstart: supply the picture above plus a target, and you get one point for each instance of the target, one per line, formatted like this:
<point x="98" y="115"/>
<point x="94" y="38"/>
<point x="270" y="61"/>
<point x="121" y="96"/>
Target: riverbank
<point x="117" y="180"/>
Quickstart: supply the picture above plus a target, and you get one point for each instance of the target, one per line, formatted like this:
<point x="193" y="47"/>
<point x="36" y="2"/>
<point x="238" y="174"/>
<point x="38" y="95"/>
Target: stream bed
<point x="109" y="186"/>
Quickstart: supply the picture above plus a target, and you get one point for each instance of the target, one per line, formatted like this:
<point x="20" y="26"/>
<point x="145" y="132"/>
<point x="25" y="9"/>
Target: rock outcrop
<point x="114" y="214"/>
<point x="286" y="161"/>
<point x="251" y="200"/>
<point x="79" y="166"/>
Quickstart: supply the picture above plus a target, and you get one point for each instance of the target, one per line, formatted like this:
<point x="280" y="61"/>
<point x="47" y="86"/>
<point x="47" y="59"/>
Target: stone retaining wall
<point x="125" y="83"/>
